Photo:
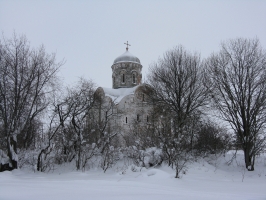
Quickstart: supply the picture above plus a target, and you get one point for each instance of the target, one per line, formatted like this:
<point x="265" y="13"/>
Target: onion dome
<point x="127" y="57"/>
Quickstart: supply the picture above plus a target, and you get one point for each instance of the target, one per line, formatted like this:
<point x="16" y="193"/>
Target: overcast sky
<point x="89" y="35"/>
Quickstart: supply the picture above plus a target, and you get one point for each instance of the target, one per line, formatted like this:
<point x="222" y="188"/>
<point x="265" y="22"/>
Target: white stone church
<point x="126" y="101"/>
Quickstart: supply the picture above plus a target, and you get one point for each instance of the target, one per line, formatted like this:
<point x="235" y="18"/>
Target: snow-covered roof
<point x="118" y="94"/>
<point x="127" y="57"/>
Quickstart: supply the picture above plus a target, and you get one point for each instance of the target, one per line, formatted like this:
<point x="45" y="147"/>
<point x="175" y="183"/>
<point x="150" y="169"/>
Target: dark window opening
<point x="142" y="97"/>
<point x="123" y="78"/>
<point x="147" y="118"/>
<point x="134" y="78"/>
<point x="126" y="120"/>
<point x="137" y="117"/>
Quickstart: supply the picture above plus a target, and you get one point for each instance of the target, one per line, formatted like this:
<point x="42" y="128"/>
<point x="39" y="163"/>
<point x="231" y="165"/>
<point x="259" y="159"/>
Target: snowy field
<point x="206" y="179"/>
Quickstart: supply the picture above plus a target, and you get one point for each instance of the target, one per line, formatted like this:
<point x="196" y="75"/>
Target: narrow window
<point x="142" y="97"/>
<point x="147" y="118"/>
<point x="126" y="120"/>
<point x="134" y="78"/>
<point x="138" y="117"/>
<point x="123" y="78"/>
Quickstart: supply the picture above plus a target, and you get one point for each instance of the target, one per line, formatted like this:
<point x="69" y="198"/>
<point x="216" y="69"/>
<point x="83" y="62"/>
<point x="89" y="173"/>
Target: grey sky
<point x="91" y="34"/>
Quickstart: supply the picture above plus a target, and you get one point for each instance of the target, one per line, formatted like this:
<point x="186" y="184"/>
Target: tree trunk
<point x="78" y="159"/>
<point x="252" y="163"/>
<point x="12" y="152"/>
<point x="248" y="160"/>
<point x="39" y="161"/>
<point x="176" y="171"/>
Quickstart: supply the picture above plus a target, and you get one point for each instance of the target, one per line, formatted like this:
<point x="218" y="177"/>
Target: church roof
<point x="127" y="57"/>
<point x="118" y="94"/>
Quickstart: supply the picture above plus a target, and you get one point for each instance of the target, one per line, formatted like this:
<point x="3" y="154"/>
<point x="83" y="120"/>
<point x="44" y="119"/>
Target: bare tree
<point x="80" y="100"/>
<point x="212" y="139"/>
<point x="105" y="131"/>
<point x="68" y="127"/>
<point x="26" y="77"/>
<point x="86" y="130"/>
<point x="56" y="123"/>
<point x="237" y="84"/>
<point x="176" y="80"/>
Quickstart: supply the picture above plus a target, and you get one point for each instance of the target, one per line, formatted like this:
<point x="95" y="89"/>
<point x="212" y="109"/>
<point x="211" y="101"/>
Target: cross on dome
<point x="127" y="45"/>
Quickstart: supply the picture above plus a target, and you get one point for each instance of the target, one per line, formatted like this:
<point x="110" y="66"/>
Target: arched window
<point x="134" y="78"/>
<point x="123" y="78"/>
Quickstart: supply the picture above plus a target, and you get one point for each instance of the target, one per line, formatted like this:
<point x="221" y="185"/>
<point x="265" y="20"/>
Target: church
<point x="125" y="105"/>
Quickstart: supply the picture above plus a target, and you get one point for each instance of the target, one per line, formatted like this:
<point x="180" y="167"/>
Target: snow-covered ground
<point x="208" y="178"/>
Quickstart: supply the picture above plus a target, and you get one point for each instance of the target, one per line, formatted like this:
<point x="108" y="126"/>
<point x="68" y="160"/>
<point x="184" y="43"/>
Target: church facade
<point x="125" y="105"/>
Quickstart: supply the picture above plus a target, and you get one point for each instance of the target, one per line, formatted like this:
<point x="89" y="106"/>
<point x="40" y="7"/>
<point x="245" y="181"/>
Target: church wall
<point x="129" y="111"/>
<point x="128" y="69"/>
<point x="132" y="110"/>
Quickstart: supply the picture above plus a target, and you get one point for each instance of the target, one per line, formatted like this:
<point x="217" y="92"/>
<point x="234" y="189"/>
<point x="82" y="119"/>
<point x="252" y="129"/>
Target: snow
<point x="118" y="94"/>
<point x="127" y="57"/>
<point x="209" y="178"/>
<point x="3" y="157"/>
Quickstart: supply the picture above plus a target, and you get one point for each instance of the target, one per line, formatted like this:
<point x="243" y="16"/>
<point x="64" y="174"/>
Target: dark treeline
<point x="42" y="124"/>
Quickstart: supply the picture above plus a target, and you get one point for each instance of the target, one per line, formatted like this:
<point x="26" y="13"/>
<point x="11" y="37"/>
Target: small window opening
<point x="138" y="117"/>
<point x="126" y="120"/>
<point x="134" y="78"/>
<point x="143" y="97"/>
<point x="147" y="118"/>
<point x="123" y="78"/>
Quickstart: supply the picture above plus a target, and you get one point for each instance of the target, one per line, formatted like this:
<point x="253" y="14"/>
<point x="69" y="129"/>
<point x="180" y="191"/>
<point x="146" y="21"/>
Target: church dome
<point x="127" y="57"/>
